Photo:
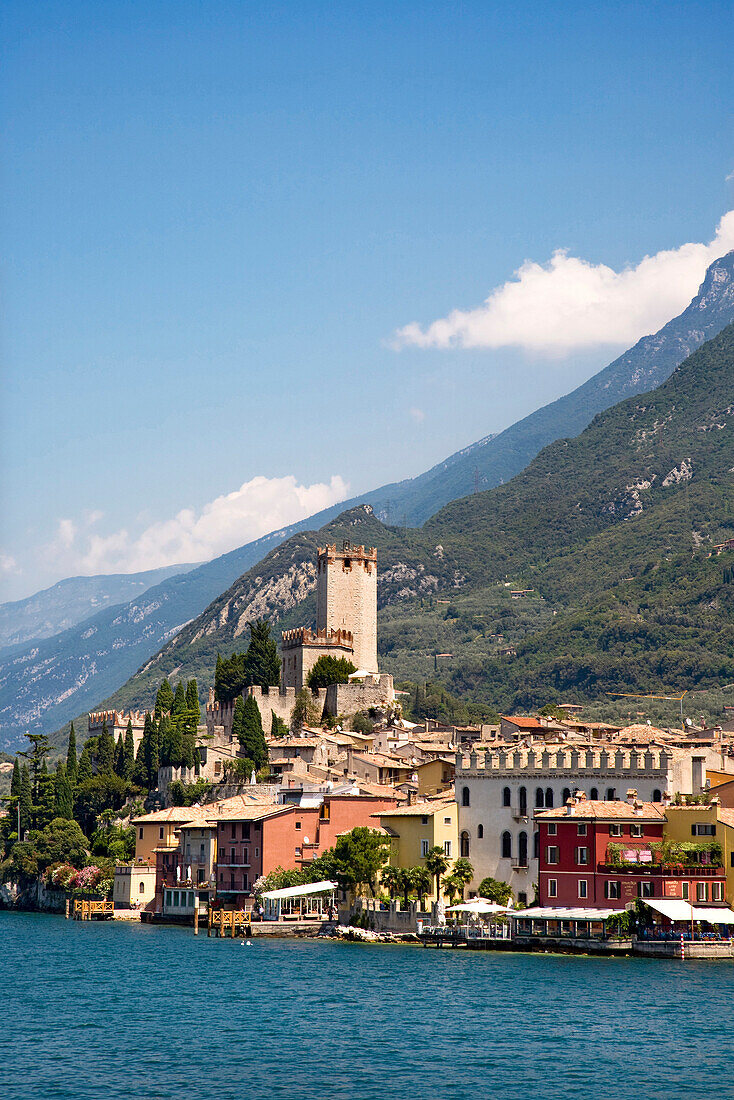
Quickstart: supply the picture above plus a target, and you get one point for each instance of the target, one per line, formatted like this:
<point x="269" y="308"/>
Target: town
<point x="542" y="832"/>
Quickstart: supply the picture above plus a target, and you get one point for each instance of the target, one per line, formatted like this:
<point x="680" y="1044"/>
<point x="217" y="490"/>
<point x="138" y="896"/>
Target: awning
<point x="714" y="916"/>
<point x="300" y="891"/>
<point x="477" y="905"/>
<point x="548" y="913"/>
<point x="672" y="909"/>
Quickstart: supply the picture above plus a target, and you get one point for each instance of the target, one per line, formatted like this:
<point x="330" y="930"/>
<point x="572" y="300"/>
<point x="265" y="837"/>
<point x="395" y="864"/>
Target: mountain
<point x="70" y="601"/>
<point x="45" y="685"/>
<point x="608" y="537"/>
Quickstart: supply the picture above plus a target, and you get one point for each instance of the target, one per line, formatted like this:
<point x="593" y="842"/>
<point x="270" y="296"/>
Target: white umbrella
<point x="477" y="905"/>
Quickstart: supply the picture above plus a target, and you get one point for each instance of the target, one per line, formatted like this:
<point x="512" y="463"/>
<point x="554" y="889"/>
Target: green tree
<point x="71" y="760"/>
<point x="15" y="781"/>
<point x="164" y="699"/>
<point x="463" y="873"/>
<point x="63" y="795"/>
<point x="153" y="752"/>
<point x="358" y="857"/>
<point x="305" y="711"/>
<point x="192" y="700"/>
<point x="179" y="701"/>
<point x="43" y="802"/>
<point x="330" y="670"/>
<point x="61" y="841"/>
<point x="106" y="750"/>
<point x="422" y="883"/>
<point x="391" y="880"/>
<point x="118" y="765"/>
<point x="437" y="864"/>
<point x="105" y="791"/>
<point x="112" y="840"/>
<point x="452" y="888"/>
<point x="362" y="723"/>
<point x="262" y="664"/>
<point x="238" y="728"/>
<point x="171" y="739"/>
<point x="251" y="737"/>
<point x="26" y="800"/>
<point x="128" y="755"/>
<point x="494" y="890"/>
<point x="278" y="727"/>
<point x="141" y="771"/>
<point x="407" y="881"/>
<point x="84" y="769"/>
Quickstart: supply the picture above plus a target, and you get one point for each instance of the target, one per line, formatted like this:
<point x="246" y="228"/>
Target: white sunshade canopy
<point x="477" y="905"/>
<point x="714" y="916"/>
<point x="547" y="913"/>
<point x="300" y="891"/>
<point x="673" y="909"/>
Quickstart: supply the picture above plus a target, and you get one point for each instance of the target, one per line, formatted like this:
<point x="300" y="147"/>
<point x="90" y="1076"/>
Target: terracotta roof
<point x="643" y="733"/>
<point x="418" y="809"/>
<point x="523" y="722"/>
<point x="619" y="811"/>
<point x="727" y="816"/>
<point x="382" y="790"/>
<point x="175" y="815"/>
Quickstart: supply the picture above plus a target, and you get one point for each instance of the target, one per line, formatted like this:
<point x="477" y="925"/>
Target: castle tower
<point x="346" y="598"/>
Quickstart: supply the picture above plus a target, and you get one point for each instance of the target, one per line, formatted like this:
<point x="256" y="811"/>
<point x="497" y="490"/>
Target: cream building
<point x="414" y="830"/>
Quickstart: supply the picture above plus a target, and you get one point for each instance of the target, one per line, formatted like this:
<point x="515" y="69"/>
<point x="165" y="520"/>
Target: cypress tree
<point x="15" y="781"/>
<point x="192" y="700"/>
<point x="63" y="800"/>
<point x="218" y="677"/>
<point x="154" y="756"/>
<point x="164" y="699"/>
<point x="278" y="727"/>
<point x="179" y="701"/>
<point x="71" y="761"/>
<point x="119" y="761"/>
<point x="84" y="768"/>
<point x="106" y="750"/>
<point x="171" y="743"/>
<point x="252" y="738"/>
<point x="238" y="728"/>
<point x="26" y="800"/>
<point x="262" y="664"/>
<point x="45" y="798"/>
<point x="128" y="754"/>
<point x="141" y="771"/>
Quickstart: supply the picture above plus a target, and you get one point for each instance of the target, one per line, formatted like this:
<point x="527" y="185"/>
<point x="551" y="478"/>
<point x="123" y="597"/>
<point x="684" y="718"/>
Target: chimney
<point x="666" y="799"/>
<point x="631" y="796"/>
<point x="570" y="803"/>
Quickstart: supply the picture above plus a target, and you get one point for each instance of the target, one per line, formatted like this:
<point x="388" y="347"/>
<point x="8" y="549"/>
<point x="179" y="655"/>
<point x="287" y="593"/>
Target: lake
<point x="112" y="1010"/>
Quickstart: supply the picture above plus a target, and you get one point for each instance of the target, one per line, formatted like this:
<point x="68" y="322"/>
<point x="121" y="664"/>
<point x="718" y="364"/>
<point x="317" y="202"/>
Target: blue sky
<point x="218" y="216"/>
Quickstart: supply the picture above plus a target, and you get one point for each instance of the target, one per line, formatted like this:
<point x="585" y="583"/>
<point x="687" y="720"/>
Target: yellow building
<point x="414" y="830"/>
<point x="435" y="775"/>
<point x="161" y="828"/>
<point x="698" y="824"/>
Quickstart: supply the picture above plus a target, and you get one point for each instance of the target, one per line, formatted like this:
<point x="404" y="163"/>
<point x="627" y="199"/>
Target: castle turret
<point x="346" y="598"/>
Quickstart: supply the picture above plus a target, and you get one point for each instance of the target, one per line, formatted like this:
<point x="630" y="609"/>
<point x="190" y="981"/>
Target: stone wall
<point x="347" y="699"/>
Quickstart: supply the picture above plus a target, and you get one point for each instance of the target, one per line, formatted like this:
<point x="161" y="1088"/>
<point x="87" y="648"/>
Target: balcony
<point x="664" y="870"/>
<point x="520" y="815"/>
<point x="519" y="864"/>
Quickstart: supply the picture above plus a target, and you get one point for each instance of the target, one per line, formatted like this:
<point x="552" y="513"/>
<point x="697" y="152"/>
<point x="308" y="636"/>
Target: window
<point x="615" y="830"/>
<point x="523" y="801"/>
<point x="424" y="821"/>
<point x="566" y="794"/>
<point x="686" y="891"/>
<point x="548" y="798"/>
<point x="447" y="821"/>
<point x="246" y="831"/>
<point x="257" y="853"/>
<point x="583" y="888"/>
<point x="140" y="833"/>
<point x="231" y="882"/>
<point x="539" y="799"/>
<point x="464" y="845"/>
<point x="506" y="796"/>
<point x="552" y="828"/>
<point x="522" y="849"/>
<point x="582" y="856"/>
<point x="425" y="845"/>
<point x="141" y="889"/>
<point x="645" y="890"/>
<point x="551" y="854"/>
<point x="594" y="794"/>
<point x="611" y="794"/>
<point x="245" y="856"/>
<point x="507" y="846"/>
<point x="552" y="888"/>
<point x="636" y="830"/>
<point x="160" y="833"/>
<point x="611" y="889"/>
<point x="657" y="795"/>
<point x="522" y="898"/>
<point x="536" y="845"/>
<point x="298" y="823"/>
<point x="325" y="811"/>
<point x="233" y="855"/>
<point x="447" y="849"/>
<point x="581" y="830"/>
<point x="702" y="891"/>
<point x="717" y="891"/>
<point x="703" y="829"/>
<point x="464" y="796"/>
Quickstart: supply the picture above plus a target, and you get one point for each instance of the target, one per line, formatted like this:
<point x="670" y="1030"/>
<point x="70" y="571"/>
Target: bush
<point x="330" y="670"/>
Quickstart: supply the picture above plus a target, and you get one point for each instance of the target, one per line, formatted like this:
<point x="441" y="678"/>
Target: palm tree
<point x="452" y="888"/>
<point x="407" y="882"/>
<point x="463" y="872"/>
<point x="437" y="864"/>
<point x="390" y="877"/>
<point x="423" y="881"/>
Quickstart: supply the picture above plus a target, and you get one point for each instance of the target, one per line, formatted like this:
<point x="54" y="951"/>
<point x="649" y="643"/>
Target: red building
<point x="254" y="840"/>
<point x="606" y="854"/>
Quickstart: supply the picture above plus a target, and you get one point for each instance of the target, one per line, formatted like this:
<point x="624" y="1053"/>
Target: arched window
<point x="566" y="794"/>
<point x="549" y="798"/>
<point x="523" y="801"/>
<point x="506" y="796"/>
<point x="464" y="845"/>
<point x="480" y="832"/>
<point x="611" y="794"/>
<point x="536" y="845"/>
<point x="539" y="800"/>
<point x="142" y="888"/>
<point x="507" y="846"/>
<point x="594" y="794"/>
<point x="522" y="844"/>
<point x="464" y="796"/>
<point x="657" y="795"/>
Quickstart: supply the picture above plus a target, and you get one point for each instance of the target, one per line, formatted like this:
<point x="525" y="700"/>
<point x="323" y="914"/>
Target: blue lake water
<point x="107" y="1011"/>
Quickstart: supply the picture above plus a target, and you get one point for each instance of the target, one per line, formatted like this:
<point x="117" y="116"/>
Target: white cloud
<point x="418" y="415"/>
<point x="8" y="564"/>
<point x="569" y="304"/>
<point x="258" y="507"/>
<point x="66" y="533"/>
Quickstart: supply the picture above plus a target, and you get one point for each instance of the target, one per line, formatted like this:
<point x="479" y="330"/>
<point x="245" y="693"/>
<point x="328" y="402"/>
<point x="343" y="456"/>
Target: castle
<point x="346" y="615"/>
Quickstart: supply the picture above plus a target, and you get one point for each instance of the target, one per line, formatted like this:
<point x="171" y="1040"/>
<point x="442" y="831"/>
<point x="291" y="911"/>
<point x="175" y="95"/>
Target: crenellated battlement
<point x="96" y="718"/>
<point x="348" y="556"/>
<point x="566" y="761"/>
<point x="303" y="635"/>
